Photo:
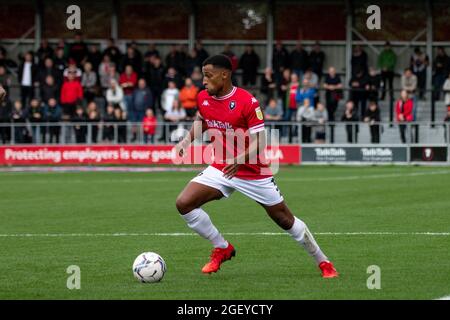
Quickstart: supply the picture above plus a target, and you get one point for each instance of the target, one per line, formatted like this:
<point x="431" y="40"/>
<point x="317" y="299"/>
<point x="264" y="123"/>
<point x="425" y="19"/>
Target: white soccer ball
<point x="149" y="267"/>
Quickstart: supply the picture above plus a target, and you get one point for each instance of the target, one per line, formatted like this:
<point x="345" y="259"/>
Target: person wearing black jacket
<point x="80" y="127"/>
<point x="268" y="85"/>
<point x="299" y="60"/>
<point x="108" y="126"/>
<point x="358" y="94"/>
<point x="373" y="85"/>
<point x="154" y="75"/>
<point x="372" y="117"/>
<point x="49" y="69"/>
<point x="280" y="61"/>
<point x="351" y="117"/>
<point x="36" y="117"/>
<point x="53" y="114"/>
<point x="49" y="90"/>
<point x="316" y="60"/>
<point x="5" y="119"/>
<point x="249" y="63"/>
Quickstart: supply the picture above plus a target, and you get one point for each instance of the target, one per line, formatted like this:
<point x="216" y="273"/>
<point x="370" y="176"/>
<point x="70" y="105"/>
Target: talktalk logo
<point x="376" y="152"/>
<point x="327" y="152"/>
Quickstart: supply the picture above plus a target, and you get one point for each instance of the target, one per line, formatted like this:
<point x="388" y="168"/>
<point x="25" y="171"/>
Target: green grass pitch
<point x="71" y="219"/>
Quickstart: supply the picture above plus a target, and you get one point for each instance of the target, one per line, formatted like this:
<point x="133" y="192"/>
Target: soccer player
<point x="225" y="107"/>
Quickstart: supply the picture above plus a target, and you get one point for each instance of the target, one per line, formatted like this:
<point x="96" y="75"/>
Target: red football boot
<point x="328" y="270"/>
<point x="218" y="256"/>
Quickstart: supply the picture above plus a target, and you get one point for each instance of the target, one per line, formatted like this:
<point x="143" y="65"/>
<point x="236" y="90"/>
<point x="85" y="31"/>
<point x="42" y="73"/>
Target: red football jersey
<point x="239" y="112"/>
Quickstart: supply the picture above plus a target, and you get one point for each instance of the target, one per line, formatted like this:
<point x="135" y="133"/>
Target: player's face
<point x="213" y="79"/>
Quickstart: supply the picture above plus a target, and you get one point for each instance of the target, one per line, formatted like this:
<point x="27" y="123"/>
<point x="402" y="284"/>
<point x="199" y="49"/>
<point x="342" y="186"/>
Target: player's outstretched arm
<point x="255" y="147"/>
<point x="197" y="128"/>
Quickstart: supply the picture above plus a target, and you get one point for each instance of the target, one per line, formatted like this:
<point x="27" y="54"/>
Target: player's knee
<point x="183" y="204"/>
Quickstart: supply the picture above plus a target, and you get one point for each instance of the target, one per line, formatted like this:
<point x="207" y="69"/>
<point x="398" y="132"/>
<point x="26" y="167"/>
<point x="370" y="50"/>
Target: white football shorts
<point x="264" y="191"/>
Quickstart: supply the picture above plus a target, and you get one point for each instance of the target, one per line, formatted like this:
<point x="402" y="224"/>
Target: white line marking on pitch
<point x="150" y="179"/>
<point x="443" y="298"/>
<point x="183" y="234"/>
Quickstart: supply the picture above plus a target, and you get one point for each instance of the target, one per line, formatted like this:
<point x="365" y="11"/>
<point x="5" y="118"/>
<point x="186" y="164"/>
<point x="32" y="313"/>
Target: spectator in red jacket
<point x="128" y="81"/>
<point x="404" y="111"/>
<point x="71" y="94"/>
<point x="149" y="125"/>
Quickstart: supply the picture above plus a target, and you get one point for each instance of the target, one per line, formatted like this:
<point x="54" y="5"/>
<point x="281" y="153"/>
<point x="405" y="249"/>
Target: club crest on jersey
<point x="232" y="105"/>
<point x="259" y="113"/>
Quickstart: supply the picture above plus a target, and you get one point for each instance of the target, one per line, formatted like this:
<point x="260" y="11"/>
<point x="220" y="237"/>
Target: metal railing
<point x="169" y="133"/>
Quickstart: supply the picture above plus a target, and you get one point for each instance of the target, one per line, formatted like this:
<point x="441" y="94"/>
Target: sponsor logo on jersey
<point x="205" y="103"/>
<point x="254" y="100"/>
<point x="259" y="113"/>
<point x="219" y="124"/>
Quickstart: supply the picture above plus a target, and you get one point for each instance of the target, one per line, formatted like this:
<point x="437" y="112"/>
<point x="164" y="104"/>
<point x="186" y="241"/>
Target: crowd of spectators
<point x="79" y="83"/>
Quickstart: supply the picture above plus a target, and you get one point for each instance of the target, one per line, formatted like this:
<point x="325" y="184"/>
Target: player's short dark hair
<point x="219" y="60"/>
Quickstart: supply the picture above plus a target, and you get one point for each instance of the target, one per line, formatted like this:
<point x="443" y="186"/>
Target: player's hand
<point x="2" y="94"/>
<point x="230" y="170"/>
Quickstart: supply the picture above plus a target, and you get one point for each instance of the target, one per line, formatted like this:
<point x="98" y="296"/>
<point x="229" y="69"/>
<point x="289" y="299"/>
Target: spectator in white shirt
<point x="114" y="95"/>
<point x="27" y="74"/>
